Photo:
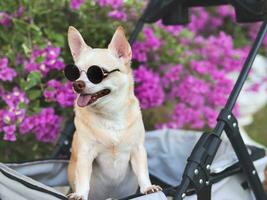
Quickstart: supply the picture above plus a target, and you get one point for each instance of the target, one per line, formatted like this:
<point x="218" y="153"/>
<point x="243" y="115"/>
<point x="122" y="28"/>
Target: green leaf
<point x="22" y="83"/>
<point x="22" y="105"/>
<point x="57" y="38"/>
<point x="33" y="79"/>
<point x="25" y="49"/>
<point x="34" y="107"/>
<point x="39" y="59"/>
<point x="34" y="94"/>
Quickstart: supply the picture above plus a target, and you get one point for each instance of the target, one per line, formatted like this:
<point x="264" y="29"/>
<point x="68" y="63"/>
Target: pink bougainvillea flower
<point x="44" y="60"/>
<point x="6" y="73"/>
<point x="76" y="4"/>
<point x="5" y="19"/>
<point x="61" y="93"/>
<point x="9" y="133"/>
<point x="118" y="15"/>
<point x="113" y="3"/>
<point x="148" y="87"/>
<point x="45" y="125"/>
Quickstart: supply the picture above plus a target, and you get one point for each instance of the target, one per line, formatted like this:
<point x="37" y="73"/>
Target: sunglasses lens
<point x="95" y="74"/>
<point x="71" y="72"/>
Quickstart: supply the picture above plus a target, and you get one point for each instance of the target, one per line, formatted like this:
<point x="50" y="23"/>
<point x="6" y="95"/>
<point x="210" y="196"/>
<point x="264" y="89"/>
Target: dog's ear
<point x="120" y="46"/>
<point x="76" y="43"/>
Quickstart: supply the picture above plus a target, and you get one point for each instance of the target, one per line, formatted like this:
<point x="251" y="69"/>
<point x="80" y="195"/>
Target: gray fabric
<point x="153" y="196"/>
<point x="167" y="153"/>
<point x="48" y="172"/>
<point x="169" y="149"/>
<point x="15" y="188"/>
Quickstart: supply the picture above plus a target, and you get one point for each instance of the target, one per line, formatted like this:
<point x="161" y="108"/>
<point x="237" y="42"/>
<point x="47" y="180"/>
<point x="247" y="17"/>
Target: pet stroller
<point x="202" y="166"/>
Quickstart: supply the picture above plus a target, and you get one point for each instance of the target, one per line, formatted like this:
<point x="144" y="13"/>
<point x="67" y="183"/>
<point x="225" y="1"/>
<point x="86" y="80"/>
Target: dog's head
<point x="111" y="69"/>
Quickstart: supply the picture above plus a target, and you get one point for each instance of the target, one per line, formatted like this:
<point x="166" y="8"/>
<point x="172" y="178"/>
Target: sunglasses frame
<point x="104" y="73"/>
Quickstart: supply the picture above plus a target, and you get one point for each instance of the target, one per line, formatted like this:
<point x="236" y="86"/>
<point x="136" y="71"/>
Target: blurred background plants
<point x="181" y="72"/>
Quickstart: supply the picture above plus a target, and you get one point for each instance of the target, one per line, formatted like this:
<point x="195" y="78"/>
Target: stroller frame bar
<point x="206" y="148"/>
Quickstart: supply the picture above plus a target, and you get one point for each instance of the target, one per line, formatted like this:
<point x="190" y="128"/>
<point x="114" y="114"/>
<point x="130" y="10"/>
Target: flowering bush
<point x="183" y="70"/>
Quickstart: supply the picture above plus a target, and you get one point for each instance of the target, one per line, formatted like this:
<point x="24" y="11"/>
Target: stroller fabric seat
<point x="167" y="153"/>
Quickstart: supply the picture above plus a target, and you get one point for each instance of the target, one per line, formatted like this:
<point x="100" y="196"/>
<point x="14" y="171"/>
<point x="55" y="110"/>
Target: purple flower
<point x="210" y="115"/>
<point x="27" y="125"/>
<point x="113" y="3"/>
<point x="199" y="20"/>
<point x="226" y="11"/>
<point x="15" y="97"/>
<point x="118" y="15"/>
<point x="151" y="41"/>
<point x="44" y="60"/>
<point x="255" y="87"/>
<point x="13" y="114"/>
<point x="61" y="93"/>
<point x="142" y="49"/>
<point x="5" y="19"/>
<point x="19" y="12"/>
<point x="172" y="74"/>
<point x="76" y="4"/>
<point x="148" y="88"/>
<point x="45" y="125"/>
<point x="202" y="66"/>
<point x="9" y="133"/>
<point x="172" y="29"/>
<point x="6" y="73"/>
<point x="184" y="116"/>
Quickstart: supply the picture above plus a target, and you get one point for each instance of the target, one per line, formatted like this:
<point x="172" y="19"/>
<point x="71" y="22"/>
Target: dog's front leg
<point x="82" y="170"/>
<point x="139" y="165"/>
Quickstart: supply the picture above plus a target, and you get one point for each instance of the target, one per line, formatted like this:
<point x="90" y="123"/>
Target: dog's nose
<point x="78" y="86"/>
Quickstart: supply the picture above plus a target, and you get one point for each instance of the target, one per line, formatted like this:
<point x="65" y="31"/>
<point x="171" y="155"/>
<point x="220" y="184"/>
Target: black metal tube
<point x="242" y="76"/>
<point x="246" y="163"/>
<point x="220" y="126"/>
<point x="138" y="28"/>
<point x="247" y="66"/>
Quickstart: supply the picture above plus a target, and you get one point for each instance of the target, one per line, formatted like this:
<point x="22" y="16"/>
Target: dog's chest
<point x="113" y="161"/>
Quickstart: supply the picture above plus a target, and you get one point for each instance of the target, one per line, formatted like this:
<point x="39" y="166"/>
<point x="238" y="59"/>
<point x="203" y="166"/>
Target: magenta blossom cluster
<point x="141" y="49"/>
<point x="118" y="15"/>
<point x="44" y="60"/>
<point x="117" y="11"/>
<point x="13" y="113"/>
<point x="6" y="18"/>
<point x="60" y="93"/>
<point x="201" y="86"/>
<point x="148" y="87"/>
<point x="76" y="4"/>
<point x="220" y="52"/>
<point x="112" y="3"/>
<point x="45" y="125"/>
<point x="6" y="72"/>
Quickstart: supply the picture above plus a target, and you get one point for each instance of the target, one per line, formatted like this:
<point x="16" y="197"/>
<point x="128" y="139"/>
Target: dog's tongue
<point x="83" y="100"/>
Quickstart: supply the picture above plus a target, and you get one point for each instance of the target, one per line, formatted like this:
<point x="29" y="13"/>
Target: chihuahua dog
<point x="108" y="158"/>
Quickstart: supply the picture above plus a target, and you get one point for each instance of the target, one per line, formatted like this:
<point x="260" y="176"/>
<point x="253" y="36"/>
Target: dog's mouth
<point x="87" y="99"/>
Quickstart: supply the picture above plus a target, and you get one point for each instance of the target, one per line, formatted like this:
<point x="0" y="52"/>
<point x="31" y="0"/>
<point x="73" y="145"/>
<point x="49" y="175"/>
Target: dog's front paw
<point x="75" y="196"/>
<point x="152" y="189"/>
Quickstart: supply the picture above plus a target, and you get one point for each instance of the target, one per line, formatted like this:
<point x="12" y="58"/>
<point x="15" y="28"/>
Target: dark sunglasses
<point x="95" y="74"/>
